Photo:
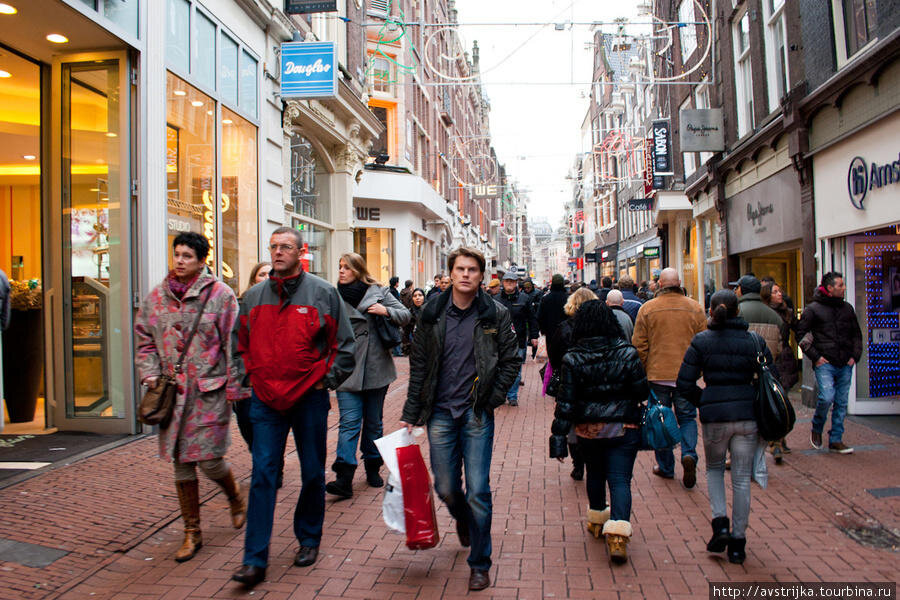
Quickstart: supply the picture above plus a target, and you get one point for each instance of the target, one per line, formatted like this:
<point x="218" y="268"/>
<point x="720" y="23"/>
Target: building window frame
<point x="689" y="159"/>
<point x="743" y="73"/>
<point x="841" y="40"/>
<point x="777" y="67"/>
<point x="687" y="35"/>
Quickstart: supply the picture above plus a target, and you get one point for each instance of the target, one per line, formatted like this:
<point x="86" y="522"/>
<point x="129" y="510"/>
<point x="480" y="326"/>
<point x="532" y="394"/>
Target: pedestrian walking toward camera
<point x="785" y="362"/>
<point x="829" y="335"/>
<point x="292" y="343"/>
<point x="416" y="302"/>
<point x="171" y="341"/>
<point x="524" y="323"/>
<point x="464" y="358"/>
<point x="361" y="396"/>
<point x="630" y="301"/>
<point x="663" y="331"/>
<point x="616" y="302"/>
<point x="726" y="357"/>
<point x="761" y="319"/>
<point x="602" y="387"/>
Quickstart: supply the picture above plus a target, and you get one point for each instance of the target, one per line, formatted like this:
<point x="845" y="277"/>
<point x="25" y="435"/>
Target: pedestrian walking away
<point x="556" y="350"/>
<point x="829" y="335"/>
<point x="292" y="343"/>
<point x="602" y="387"/>
<point x="616" y="302"/>
<point x="524" y="323"/>
<point x="663" y="331"/>
<point x="464" y="358"/>
<point x="725" y="356"/>
<point x="361" y="396"/>
<point x="551" y="313"/>
<point x="167" y="343"/>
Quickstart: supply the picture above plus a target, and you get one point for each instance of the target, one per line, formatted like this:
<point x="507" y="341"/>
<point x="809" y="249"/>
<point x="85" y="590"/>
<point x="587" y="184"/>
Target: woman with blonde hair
<point x="556" y="349"/>
<point x="361" y="396"/>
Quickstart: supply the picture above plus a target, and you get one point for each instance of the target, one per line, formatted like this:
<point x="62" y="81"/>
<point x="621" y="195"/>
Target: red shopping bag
<point x="418" y="499"/>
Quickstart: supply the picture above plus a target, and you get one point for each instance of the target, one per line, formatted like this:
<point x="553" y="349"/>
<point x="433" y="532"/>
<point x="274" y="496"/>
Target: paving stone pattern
<point x="115" y="515"/>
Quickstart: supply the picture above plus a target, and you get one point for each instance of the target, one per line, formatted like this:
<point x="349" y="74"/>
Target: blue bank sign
<point x="308" y="70"/>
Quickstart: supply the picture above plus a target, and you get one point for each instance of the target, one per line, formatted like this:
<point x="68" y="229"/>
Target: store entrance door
<point x="89" y="222"/>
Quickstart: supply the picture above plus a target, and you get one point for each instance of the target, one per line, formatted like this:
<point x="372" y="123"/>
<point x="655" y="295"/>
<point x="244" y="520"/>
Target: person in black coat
<point x="524" y="322"/>
<point x="725" y="355"/>
<point x="550" y="313"/>
<point x="602" y="386"/>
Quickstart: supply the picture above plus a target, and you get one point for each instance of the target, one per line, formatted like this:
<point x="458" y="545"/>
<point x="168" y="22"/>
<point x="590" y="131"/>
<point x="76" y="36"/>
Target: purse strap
<point x="187" y="344"/>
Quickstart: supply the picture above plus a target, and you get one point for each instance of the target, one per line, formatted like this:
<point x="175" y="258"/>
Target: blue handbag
<point x="659" y="428"/>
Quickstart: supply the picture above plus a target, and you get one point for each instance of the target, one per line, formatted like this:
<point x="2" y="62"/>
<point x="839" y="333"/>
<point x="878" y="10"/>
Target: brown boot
<point x="595" y="521"/>
<point x="233" y="491"/>
<point x="189" y="498"/>
<point x="617" y="535"/>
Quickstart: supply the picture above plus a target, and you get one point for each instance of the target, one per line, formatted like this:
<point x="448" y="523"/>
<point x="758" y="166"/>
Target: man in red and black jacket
<point x="292" y="342"/>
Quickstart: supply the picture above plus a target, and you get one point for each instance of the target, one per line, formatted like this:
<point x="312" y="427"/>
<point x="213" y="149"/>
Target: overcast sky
<point x="536" y="128"/>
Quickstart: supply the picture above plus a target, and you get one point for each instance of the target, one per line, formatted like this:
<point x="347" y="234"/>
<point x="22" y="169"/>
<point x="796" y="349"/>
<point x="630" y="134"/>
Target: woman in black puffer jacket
<point x="602" y="386"/>
<point x="726" y="356"/>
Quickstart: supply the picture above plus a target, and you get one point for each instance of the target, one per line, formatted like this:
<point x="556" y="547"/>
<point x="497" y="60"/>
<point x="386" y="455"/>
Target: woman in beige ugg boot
<point x="596" y="520"/>
<point x="617" y="535"/>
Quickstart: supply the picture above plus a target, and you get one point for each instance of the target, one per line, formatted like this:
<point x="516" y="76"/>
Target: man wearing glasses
<point x="292" y="342"/>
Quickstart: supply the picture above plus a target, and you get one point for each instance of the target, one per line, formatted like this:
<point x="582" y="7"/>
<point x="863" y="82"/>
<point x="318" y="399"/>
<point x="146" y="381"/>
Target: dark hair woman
<point x="725" y="355"/>
<point x="416" y="302"/>
<point x="602" y="386"/>
<point x="361" y="396"/>
<point x="787" y="363"/>
<point x="198" y="431"/>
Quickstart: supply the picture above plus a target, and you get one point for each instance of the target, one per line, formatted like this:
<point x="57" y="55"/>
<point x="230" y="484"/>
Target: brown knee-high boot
<point x="235" y="501"/>
<point x="189" y="498"/>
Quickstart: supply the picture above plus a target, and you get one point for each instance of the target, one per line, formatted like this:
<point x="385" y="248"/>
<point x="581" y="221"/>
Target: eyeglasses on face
<point x="282" y="247"/>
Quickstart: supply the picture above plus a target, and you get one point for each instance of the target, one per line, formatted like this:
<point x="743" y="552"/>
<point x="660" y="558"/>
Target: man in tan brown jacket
<point x="663" y="331"/>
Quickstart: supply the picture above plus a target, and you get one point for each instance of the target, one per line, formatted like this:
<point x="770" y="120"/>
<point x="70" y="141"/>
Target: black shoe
<point x="736" y="552"/>
<point x="577" y="462"/>
<point x="249" y="575"/>
<point x="306" y="556"/>
<point x="372" y="476"/>
<point x="721" y="535"/>
<point x="521" y="382"/>
<point x="462" y="532"/>
<point x="479" y="579"/>
<point x="689" y="463"/>
<point x="512" y="402"/>
<point x="342" y="487"/>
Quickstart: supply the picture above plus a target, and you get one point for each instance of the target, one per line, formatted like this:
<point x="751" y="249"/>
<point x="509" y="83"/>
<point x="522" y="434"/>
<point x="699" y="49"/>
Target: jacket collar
<point x="750" y="297"/>
<point x="372" y="296"/>
<point x="599" y="342"/>
<point x="669" y="290"/>
<point x="822" y="295"/>
<point x="484" y="303"/>
<point x="735" y="323"/>
<point x="204" y="279"/>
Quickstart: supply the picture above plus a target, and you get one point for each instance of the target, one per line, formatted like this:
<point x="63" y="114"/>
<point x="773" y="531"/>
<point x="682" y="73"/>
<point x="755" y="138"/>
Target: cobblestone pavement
<point x="115" y="514"/>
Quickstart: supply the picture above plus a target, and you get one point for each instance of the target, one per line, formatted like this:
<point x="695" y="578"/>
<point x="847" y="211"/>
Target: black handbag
<point x="389" y="334"/>
<point x="775" y="417"/>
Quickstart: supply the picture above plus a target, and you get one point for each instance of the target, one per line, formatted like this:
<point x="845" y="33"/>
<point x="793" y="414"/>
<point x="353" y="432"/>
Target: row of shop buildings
<point x="125" y="122"/>
<point x="805" y="99"/>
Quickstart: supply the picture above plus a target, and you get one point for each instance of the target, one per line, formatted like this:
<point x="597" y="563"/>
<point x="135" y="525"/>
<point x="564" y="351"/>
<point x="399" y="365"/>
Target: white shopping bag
<point x="392" y="506"/>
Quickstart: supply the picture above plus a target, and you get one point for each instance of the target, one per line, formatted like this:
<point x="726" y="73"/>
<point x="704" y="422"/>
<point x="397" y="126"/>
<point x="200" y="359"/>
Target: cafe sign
<point x="863" y="178"/>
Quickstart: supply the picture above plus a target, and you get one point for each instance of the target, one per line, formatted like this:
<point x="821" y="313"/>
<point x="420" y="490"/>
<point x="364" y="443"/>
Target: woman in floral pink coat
<point x="199" y="430"/>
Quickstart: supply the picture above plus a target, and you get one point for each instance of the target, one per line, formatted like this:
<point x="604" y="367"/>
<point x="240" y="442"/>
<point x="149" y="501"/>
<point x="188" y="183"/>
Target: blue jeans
<point x="686" y="415"/>
<point x="467" y="441"/>
<point x="611" y="461"/>
<point x="834" y="385"/>
<point x="309" y="421"/>
<point x="360" y="412"/>
<point x="513" y="393"/>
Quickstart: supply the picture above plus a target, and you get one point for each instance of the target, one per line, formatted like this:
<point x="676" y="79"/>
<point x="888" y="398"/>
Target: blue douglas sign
<point x="308" y="70"/>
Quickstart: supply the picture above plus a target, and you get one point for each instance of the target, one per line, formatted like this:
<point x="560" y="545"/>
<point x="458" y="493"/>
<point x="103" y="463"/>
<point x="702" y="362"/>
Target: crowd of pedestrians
<point x="274" y="355"/>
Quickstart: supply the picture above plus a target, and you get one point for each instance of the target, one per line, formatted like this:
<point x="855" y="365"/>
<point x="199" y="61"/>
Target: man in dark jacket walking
<point x="605" y="287"/>
<point x="292" y="342"/>
<point x="463" y="359"/>
<point x="829" y="335"/>
<point x="632" y="304"/>
<point x="551" y="313"/>
<point x="524" y="324"/>
<point x="762" y="319"/>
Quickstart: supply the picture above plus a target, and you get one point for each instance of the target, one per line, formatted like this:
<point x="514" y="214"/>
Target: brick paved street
<point x="116" y="516"/>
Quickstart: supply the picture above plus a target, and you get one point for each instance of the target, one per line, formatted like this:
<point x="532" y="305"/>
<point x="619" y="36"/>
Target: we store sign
<point x="308" y="70"/>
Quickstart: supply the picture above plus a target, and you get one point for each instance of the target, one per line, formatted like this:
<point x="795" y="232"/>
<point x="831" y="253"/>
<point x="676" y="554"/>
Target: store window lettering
<point x="755" y="215"/>
<point x="861" y="179"/>
<point x="364" y="213"/>
<point x="209" y="230"/>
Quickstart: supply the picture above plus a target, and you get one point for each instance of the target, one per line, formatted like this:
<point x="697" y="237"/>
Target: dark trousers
<point x="308" y="419"/>
<point x="241" y="410"/>
<point x="611" y="461"/>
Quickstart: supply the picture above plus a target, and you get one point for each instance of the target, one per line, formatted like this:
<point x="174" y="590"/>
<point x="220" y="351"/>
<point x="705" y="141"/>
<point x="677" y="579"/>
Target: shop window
<point x="123" y="13"/>
<point x="248" y="83"/>
<point x="743" y="80"/>
<point x="376" y="246"/>
<point x="382" y="72"/>
<point x="386" y="143"/>
<point x="855" y="22"/>
<point x="203" y="50"/>
<point x="306" y="195"/>
<point x="877" y="300"/>
<point x="228" y="69"/>
<point x="776" y="51"/>
<point x="240" y="239"/>
<point x="314" y="249"/>
<point x="190" y="163"/>
<point x="178" y="22"/>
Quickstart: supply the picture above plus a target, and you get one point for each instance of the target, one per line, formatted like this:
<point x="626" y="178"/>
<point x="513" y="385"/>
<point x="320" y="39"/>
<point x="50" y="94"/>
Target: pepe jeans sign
<point x="662" y="159"/>
<point x="701" y="130"/>
<point x="308" y="70"/>
<point x="863" y="178"/>
<point x="756" y="213"/>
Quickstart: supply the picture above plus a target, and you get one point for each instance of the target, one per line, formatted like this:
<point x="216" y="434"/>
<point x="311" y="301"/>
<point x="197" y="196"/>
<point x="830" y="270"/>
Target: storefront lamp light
<point x="226" y="121"/>
<point x="180" y="93"/>
<point x="197" y="103"/>
<point x="110" y="134"/>
<point x="30" y="157"/>
<point x="57" y="38"/>
<point x="4" y="74"/>
<point x="7" y="9"/>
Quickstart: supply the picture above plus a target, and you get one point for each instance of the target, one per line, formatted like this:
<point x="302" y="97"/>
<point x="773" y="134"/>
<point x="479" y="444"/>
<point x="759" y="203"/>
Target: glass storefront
<point x="376" y="246"/>
<point x="314" y="252"/>
<point x="307" y="180"/>
<point x="239" y="199"/>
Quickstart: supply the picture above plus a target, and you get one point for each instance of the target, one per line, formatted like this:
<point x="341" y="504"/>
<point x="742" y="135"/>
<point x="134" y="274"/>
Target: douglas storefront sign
<point x="863" y="178"/>
<point x="308" y="70"/>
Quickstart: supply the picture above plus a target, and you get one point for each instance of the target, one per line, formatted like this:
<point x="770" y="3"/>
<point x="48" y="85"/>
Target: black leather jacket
<point x="524" y="317"/>
<point x="496" y="357"/>
<point x="602" y="381"/>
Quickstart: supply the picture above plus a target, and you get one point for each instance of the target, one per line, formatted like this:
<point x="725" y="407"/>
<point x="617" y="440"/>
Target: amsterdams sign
<point x="308" y="70"/>
<point x="861" y="178"/>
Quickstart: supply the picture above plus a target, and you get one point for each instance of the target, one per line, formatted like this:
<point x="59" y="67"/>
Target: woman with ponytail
<point x="725" y="355"/>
